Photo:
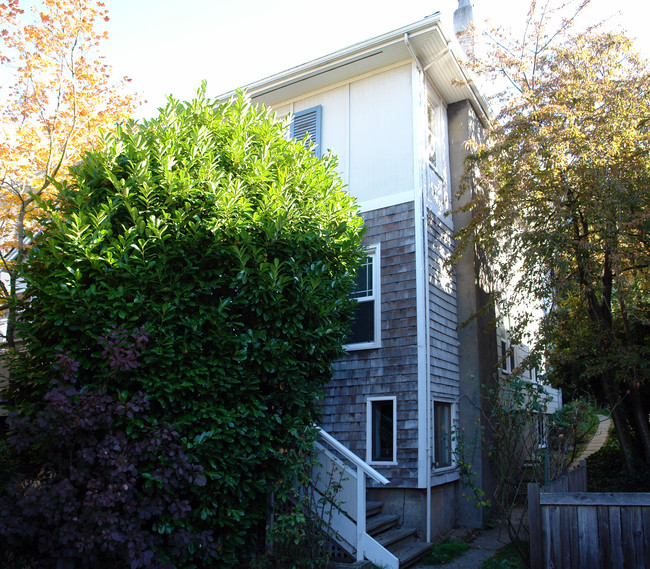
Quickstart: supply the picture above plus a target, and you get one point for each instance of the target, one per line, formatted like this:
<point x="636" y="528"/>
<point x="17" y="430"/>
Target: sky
<point x="170" y="46"/>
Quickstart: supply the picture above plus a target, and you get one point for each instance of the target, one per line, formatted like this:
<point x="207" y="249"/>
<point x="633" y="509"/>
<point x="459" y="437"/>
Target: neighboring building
<point x="398" y="110"/>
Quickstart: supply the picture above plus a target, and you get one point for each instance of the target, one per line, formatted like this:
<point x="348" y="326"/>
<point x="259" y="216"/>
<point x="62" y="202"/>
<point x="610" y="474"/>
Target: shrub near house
<point x="203" y="260"/>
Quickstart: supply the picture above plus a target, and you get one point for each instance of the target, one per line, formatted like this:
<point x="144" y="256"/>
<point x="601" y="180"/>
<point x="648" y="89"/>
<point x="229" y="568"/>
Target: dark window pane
<point x="363" y="325"/>
<point x="442" y="441"/>
<point x="382" y="431"/>
<point x="363" y="282"/>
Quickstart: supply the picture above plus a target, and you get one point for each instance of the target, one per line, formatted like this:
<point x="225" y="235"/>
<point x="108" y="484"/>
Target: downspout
<point x="423" y="221"/>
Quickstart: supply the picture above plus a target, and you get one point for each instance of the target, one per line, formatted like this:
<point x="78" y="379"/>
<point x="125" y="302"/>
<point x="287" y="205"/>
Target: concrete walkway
<point x="483" y="545"/>
<point x="597" y="441"/>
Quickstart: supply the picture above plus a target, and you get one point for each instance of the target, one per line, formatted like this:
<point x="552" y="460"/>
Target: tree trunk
<point x="619" y="418"/>
<point x="640" y="422"/>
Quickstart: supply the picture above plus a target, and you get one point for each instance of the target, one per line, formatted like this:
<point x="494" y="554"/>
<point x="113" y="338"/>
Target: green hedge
<point x="205" y="260"/>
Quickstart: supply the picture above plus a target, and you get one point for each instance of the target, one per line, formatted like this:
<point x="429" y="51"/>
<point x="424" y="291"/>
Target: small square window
<point x="382" y="431"/>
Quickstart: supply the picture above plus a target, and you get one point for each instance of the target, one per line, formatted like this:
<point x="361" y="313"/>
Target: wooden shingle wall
<point x="443" y="314"/>
<point x="392" y="369"/>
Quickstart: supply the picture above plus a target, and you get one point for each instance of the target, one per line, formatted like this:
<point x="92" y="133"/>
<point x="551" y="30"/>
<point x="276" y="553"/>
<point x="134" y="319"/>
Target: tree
<point x="564" y="214"/>
<point x="57" y="96"/>
<point x="232" y="250"/>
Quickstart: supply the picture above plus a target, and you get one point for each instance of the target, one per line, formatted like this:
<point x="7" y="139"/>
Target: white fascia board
<point x="337" y="58"/>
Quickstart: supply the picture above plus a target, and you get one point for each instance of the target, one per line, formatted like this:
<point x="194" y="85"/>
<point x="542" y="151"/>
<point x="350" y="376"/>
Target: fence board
<point x="556" y="540"/>
<point x="572" y="528"/>
<point x="646" y="532"/>
<point x="615" y="538"/>
<point x="546" y="538"/>
<point x="565" y="560"/>
<point x="627" y="499"/>
<point x="627" y="540"/>
<point x="574" y="543"/>
<point x="588" y="536"/>
<point x="603" y="537"/>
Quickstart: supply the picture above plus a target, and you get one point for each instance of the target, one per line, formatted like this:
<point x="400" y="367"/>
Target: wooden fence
<point x="577" y="529"/>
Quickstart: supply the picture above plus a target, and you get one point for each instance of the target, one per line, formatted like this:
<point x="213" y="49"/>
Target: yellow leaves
<point x="59" y="98"/>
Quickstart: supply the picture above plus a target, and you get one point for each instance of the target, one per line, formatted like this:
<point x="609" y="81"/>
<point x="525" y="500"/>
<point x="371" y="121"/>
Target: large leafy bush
<point x="204" y="260"/>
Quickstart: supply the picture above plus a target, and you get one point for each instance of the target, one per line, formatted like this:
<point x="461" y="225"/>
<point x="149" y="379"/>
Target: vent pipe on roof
<point x="463" y="20"/>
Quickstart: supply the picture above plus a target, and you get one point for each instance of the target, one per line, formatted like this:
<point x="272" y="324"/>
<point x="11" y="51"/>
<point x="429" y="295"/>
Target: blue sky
<point x="170" y="46"/>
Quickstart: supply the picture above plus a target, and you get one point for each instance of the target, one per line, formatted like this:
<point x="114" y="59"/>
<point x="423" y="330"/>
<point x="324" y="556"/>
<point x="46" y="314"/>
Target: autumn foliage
<point x="566" y="171"/>
<point x="57" y="94"/>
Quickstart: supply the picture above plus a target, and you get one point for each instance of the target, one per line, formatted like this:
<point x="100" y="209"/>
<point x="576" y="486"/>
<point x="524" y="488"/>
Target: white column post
<point x="361" y="511"/>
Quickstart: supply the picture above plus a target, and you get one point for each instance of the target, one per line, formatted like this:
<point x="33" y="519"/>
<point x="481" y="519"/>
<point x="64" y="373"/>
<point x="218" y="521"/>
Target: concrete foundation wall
<point x="410" y="505"/>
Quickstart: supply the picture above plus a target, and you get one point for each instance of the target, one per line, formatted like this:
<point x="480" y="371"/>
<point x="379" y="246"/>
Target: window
<point x="432" y="135"/>
<point x="442" y="425"/>
<point x="306" y="125"/>
<point x="507" y="357"/>
<point x="381" y="429"/>
<point x="365" y="329"/>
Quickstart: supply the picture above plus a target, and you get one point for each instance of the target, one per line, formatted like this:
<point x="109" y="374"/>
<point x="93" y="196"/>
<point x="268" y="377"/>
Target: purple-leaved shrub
<point x="94" y="500"/>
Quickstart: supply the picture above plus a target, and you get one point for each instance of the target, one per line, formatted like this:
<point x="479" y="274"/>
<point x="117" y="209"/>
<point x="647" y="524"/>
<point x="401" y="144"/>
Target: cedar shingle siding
<point x="443" y="319"/>
<point x="391" y="369"/>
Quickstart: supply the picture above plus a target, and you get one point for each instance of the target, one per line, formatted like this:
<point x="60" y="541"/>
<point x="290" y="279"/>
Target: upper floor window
<point x="365" y="329"/>
<point x="432" y="135"/>
<point x="306" y="126"/>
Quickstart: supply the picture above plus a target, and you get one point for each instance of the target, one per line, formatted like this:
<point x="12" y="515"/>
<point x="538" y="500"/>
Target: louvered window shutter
<point x="307" y="122"/>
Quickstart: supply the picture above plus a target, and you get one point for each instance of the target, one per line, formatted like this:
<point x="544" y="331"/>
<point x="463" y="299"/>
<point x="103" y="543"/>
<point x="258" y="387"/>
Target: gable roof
<point x="434" y="51"/>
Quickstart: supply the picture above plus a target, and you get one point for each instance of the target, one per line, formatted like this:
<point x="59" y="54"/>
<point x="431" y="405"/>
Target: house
<point x="398" y="110"/>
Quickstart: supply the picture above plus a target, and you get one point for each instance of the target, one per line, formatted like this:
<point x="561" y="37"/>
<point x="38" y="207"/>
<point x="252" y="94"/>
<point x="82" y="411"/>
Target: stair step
<point x="380" y="522"/>
<point x="395" y="535"/>
<point x="410" y="553"/>
<point x="373" y="508"/>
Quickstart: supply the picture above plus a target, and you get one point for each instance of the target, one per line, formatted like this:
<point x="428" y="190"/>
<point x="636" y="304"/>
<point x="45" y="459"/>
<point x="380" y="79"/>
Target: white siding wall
<point x="381" y="135"/>
<point x="368" y="123"/>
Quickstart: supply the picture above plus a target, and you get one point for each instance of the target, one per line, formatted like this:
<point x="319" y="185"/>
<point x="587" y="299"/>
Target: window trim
<point x="373" y="251"/>
<point x="452" y="442"/>
<point x="369" y="433"/>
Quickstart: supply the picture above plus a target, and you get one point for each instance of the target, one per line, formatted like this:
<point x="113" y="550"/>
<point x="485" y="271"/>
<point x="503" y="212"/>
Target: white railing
<point x="347" y="515"/>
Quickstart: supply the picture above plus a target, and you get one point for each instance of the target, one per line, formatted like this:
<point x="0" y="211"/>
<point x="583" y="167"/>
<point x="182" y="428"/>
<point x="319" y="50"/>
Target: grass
<point x="445" y="551"/>
<point x="506" y="558"/>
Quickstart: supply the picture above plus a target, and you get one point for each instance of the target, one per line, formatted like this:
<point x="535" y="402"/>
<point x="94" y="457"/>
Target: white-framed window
<point x="365" y="331"/>
<point x="434" y="137"/>
<point x="381" y="430"/>
<point x="443" y="421"/>
<point x="306" y="126"/>
<point x="508" y="362"/>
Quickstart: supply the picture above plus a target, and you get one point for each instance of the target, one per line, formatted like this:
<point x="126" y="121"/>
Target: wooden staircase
<point x="400" y="541"/>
